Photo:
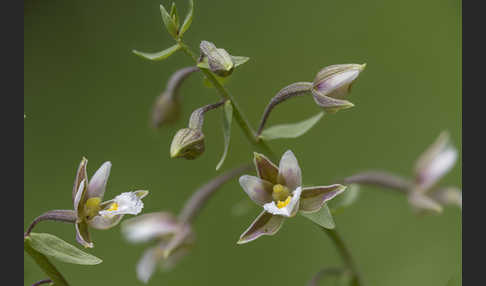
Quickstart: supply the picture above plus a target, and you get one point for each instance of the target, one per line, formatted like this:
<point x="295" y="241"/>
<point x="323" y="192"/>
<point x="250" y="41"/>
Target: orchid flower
<point x="174" y="241"/>
<point x="279" y="191"/>
<point x="430" y="167"/>
<point x="91" y="211"/>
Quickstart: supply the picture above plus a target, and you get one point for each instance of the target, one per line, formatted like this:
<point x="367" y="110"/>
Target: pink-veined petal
<point x="82" y="234"/>
<point x="149" y="226"/>
<point x="289" y="173"/>
<point x="97" y="184"/>
<point x="259" y="190"/>
<point x="81" y="175"/>
<point x="313" y="198"/>
<point x="264" y="224"/>
<point x="266" y="169"/>
<point x="104" y="222"/>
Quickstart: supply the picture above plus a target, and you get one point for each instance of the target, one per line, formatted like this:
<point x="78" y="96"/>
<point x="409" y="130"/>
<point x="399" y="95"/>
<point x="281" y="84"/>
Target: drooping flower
<point x="333" y="83"/>
<point x="90" y="209"/>
<point x="174" y="241"/>
<point x="279" y="191"/>
<point x="430" y="167"/>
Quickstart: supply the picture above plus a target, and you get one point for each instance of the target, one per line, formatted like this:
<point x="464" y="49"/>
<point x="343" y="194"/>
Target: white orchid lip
<point x="125" y="203"/>
<point x="289" y="208"/>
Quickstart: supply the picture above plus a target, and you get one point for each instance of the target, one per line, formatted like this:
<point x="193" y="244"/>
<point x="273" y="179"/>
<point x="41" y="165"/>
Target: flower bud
<point x="166" y="109"/>
<point x="219" y="60"/>
<point x="333" y="83"/>
<point x="187" y="143"/>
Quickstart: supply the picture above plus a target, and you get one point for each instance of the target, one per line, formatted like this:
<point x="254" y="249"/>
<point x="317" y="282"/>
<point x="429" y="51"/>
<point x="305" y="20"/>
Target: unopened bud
<point x="187" y="143"/>
<point x="333" y="83"/>
<point x="219" y="60"/>
<point x="166" y="110"/>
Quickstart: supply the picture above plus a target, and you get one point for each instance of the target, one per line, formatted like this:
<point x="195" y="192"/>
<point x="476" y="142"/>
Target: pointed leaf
<point x="227" y="118"/>
<point x="174" y="15"/>
<point x="346" y="199"/>
<point x="59" y="249"/>
<point x="188" y="20"/>
<point x="162" y="55"/>
<point x="292" y="130"/>
<point x="321" y="217"/>
<point x="237" y="60"/>
<point x="168" y="22"/>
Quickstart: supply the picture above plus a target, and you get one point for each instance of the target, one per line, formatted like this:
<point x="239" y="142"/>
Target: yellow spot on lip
<point x="113" y="207"/>
<point x="281" y="204"/>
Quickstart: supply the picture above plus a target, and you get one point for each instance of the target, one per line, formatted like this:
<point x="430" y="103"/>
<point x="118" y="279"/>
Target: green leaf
<point x="227" y="118"/>
<point x="188" y="20"/>
<point x="346" y="199"/>
<point x="174" y="15"/>
<point x="168" y="22"/>
<point x="292" y="130"/>
<point x="162" y="55"/>
<point x="321" y="217"/>
<point x="237" y="60"/>
<point x="57" y="248"/>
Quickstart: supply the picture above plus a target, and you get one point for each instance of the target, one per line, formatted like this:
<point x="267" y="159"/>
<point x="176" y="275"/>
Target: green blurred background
<point x="86" y="94"/>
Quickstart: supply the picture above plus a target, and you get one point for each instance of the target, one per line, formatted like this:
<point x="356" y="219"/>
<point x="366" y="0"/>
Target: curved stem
<point x="380" y="179"/>
<point x="195" y="203"/>
<point x="345" y="254"/>
<point x="46" y="266"/>
<point x="197" y="116"/>
<point x="55" y="215"/>
<point x="294" y="89"/>
<point x="176" y="79"/>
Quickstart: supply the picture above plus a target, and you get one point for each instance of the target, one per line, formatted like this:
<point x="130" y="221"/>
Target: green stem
<point x="46" y="266"/>
<point x="345" y="254"/>
<point x="237" y="113"/>
<point x="263" y="147"/>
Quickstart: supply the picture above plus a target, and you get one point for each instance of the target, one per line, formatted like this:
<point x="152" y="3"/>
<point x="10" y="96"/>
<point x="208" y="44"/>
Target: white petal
<point x="128" y="203"/>
<point x="289" y="173"/>
<point x="289" y="210"/>
<point x="79" y="194"/>
<point x="104" y="222"/>
<point x="147" y="264"/>
<point x="148" y="226"/>
<point x="97" y="184"/>
<point x="439" y="166"/>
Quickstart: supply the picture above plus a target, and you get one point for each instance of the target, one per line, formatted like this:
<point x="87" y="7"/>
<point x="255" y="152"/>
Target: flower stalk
<point x="380" y="179"/>
<point x="294" y="89"/>
<point x="54" y="215"/>
<point x="197" y="201"/>
<point x="345" y="255"/>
